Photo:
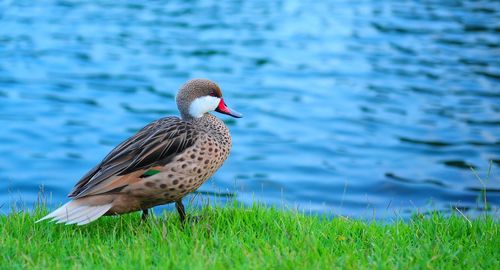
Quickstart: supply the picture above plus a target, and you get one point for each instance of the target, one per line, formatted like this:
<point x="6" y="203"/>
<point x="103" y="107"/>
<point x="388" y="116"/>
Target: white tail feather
<point x="99" y="211"/>
<point x="67" y="207"/>
<point x="76" y="212"/>
<point x="90" y="214"/>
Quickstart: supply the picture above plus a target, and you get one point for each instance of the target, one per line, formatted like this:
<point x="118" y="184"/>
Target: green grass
<point x="254" y="238"/>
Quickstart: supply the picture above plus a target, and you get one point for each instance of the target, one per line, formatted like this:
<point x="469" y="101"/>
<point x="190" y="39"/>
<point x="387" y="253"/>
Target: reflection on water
<point x="358" y="109"/>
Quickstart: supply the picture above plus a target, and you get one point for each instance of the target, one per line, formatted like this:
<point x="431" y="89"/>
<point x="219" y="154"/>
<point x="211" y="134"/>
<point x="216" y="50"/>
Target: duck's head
<point x="199" y="96"/>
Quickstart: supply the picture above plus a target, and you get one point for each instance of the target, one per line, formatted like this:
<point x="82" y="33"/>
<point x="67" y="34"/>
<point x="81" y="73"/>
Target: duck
<point x="160" y="164"/>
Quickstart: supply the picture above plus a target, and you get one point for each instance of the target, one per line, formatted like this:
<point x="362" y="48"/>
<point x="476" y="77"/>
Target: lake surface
<point x="373" y="109"/>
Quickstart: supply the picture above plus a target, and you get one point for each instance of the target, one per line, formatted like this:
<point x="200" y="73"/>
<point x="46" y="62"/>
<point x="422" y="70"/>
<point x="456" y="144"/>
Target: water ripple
<point x="350" y="108"/>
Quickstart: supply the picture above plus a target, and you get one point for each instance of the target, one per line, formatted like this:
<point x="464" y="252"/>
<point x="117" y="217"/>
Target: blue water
<point x="365" y="108"/>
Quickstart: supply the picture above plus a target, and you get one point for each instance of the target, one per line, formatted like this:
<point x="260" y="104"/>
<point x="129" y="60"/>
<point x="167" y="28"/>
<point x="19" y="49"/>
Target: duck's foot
<point x="182" y="214"/>
<point x="180" y="209"/>
<point x="145" y="214"/>
<point x="195" y="219"/>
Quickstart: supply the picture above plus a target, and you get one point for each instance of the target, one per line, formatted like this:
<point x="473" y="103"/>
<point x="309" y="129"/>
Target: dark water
<point x="372" y="108"/>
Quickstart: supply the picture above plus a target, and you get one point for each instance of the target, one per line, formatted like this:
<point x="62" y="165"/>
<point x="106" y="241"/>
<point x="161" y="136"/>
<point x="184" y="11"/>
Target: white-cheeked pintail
<point x="160" y="164"/>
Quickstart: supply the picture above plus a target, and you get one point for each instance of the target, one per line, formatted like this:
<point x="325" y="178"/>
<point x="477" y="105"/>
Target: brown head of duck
<point x="200" y="96"/>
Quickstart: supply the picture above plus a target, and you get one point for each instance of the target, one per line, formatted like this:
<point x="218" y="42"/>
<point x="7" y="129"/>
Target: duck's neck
<point x="207" y="120"/>
<point x="212" y="125"/>
<point x="186" y="116"/>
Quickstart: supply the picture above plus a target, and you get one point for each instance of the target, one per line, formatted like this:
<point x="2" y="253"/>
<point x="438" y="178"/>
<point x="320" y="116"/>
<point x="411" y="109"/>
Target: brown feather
<point x="154" y="145"/>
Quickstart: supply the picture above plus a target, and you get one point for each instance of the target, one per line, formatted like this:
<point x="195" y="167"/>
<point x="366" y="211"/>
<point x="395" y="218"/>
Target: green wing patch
<point x="149" y="173"/>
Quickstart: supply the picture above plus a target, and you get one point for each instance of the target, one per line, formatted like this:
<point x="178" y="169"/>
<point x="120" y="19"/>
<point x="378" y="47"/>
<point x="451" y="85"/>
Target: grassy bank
<point x="256" y="237"/>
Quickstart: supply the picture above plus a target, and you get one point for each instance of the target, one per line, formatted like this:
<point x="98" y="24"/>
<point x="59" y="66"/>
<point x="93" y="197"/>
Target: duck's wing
<point x="154" y="145"/>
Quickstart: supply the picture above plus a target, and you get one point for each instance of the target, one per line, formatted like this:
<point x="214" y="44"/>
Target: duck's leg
<point x="180" y="209"/>
<point x="145" y="214"/>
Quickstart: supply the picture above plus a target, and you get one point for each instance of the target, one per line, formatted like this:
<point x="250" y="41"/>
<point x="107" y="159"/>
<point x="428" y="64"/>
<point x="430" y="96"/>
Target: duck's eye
<point x="212" y="94"/>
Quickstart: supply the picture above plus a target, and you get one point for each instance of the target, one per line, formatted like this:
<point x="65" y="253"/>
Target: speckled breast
<point x="191" y="168"/>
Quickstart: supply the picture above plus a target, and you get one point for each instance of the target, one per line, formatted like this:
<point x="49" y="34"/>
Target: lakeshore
<point x="256" y="237"/>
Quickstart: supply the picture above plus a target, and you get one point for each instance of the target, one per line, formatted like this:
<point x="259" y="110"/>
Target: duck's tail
<point x="77" y="212"/>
